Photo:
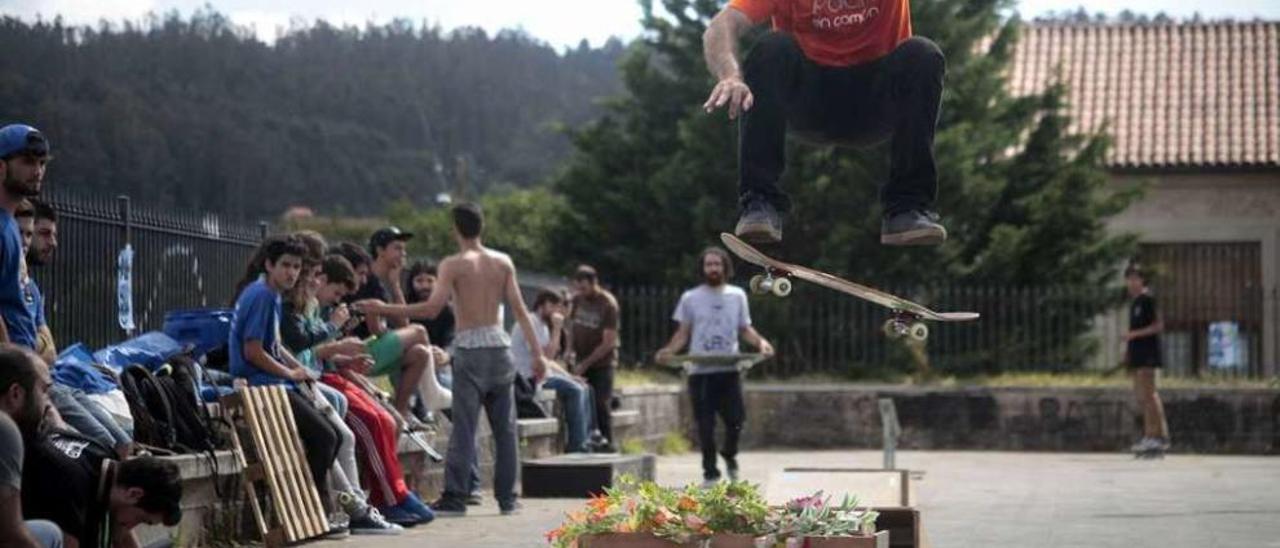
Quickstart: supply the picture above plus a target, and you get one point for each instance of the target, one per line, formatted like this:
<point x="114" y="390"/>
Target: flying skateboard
<point x="906" y="318"/>
<point x="686" y="362"/>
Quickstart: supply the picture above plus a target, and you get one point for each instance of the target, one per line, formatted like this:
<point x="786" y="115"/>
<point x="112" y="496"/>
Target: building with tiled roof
<point x="1193" y="110"/>
<point x="1171" y="96"/>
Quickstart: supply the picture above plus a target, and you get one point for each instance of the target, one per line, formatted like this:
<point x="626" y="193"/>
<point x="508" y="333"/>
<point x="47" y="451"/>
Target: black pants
<point x="711" y="394"/>
<point x="896" y="96"/>
<point x="319" y="440"/>
<point x="600" y="377"/>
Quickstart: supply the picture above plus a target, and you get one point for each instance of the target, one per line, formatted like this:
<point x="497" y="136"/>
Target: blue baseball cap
<point x="22" y="139"/>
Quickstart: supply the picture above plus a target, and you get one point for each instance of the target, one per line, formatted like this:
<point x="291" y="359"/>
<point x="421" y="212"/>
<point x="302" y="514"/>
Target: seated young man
<point x="399" y="350"/>
<point x="72" y="407"/>
<point x="573" y="392"/>
<point x="315" y="342"/>
<point x="256" y="354"/>
<point x="24" y="387"/>
<point x="71" y="481"/>
<point x="298" y="312"/>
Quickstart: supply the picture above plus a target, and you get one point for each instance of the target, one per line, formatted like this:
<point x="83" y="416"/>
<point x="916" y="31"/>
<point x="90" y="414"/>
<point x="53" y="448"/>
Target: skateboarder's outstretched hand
<point x="733" y="92"/>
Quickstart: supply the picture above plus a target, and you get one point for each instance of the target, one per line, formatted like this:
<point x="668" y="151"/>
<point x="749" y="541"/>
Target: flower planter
<point x="627" y="540"/>
<point x="732" y="540"/>
<point x="879" y="540"/>
<point x="646" y="540"/>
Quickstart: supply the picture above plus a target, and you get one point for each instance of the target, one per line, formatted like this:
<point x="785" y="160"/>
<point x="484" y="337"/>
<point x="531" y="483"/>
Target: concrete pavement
<point x="981" y="500"/>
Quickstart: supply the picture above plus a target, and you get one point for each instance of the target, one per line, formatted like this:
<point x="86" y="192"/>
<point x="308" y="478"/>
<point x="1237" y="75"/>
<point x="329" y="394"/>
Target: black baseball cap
<point x="384" y="236"/>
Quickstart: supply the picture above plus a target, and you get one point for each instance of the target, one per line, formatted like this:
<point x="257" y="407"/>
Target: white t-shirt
<point x="520" y="355"/>
<point x="715" y="317"/>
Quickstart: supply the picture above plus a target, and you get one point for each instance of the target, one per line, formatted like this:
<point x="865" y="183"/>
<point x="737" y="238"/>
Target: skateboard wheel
<point x="919" y="331"/>
<point x="757" y="284"/>
<point x="781" y="287"/>
<point x="891" y="329"/>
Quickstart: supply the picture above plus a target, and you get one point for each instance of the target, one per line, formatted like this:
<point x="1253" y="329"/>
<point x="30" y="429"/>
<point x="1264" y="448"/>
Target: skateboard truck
<point x="905" y="324"/>
<point x="772" y="281"/>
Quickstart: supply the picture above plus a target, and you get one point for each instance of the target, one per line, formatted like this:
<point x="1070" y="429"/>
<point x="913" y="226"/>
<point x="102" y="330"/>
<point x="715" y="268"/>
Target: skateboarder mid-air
<point x="835" y="72"/>
<point x="712" y="316"/>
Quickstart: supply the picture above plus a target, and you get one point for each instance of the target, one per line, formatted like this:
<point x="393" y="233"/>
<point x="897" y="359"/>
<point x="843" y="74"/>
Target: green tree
<point x="654" y="180"/>
<point x="516" y="222"/>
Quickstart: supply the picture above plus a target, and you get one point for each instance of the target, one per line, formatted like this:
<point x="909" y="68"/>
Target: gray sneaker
<point x="914" y="227"/>
<point x="372" y="523"/>
<point x="759" y="223"/>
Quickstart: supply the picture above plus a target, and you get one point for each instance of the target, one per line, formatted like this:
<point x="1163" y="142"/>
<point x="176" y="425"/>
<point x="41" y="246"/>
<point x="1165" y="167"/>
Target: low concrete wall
<point x="662" y="410"/>
<point x="1073" y="419"/>
<point x="1202" y="420"/>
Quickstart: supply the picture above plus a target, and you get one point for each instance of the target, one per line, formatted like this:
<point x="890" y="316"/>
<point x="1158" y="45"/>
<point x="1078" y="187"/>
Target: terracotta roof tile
<point x="1178" y="95"/>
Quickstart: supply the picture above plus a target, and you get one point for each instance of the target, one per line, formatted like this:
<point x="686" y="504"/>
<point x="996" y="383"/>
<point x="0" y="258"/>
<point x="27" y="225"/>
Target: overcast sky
<point x="560" y="22"/>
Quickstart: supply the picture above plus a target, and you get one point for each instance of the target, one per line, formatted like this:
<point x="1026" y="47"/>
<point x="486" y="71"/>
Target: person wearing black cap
<point x="24" y="156"/>
<point x="399" y="350"/>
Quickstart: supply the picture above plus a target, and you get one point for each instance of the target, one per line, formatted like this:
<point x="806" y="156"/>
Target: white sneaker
<point x="709" y="483"/>
<point x="1147" y="445"/>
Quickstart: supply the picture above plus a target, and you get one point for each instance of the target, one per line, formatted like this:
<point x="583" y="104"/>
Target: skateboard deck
<point x="688" y="361"/>
<point x="778" y="271"/>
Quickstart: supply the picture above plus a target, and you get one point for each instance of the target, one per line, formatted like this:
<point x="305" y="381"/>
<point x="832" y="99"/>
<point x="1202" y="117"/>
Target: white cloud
<point x="80" y="11"/>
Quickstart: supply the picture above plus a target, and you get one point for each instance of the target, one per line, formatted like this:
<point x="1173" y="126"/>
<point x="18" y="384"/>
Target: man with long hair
<point x="712" y="317"/>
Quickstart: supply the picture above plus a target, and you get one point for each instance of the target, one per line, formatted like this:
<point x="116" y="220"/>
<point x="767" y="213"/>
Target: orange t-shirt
<point x="836" y="32"/>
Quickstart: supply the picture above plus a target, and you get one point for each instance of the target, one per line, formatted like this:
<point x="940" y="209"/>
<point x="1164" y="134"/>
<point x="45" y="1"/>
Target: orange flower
<point x="687" y="504"/>
<point x="598" y="503"/>
<point x="554" y="534"/>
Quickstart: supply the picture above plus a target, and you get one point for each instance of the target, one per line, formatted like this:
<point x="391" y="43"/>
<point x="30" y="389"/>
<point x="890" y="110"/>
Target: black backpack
<point x="153" y="420"/>
<point x="192" y="423"/>
<point x="526" y="396"/>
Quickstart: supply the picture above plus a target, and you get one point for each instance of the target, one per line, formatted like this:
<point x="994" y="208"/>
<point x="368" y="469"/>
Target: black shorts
<point x="1144" y="357"/>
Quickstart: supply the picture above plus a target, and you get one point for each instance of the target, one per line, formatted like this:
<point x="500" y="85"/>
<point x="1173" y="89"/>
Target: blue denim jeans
<point x="482" y="377"/>
<point x="87" y="417"/>
<point x="46" y="533"/>
<point x="576" y="400"/>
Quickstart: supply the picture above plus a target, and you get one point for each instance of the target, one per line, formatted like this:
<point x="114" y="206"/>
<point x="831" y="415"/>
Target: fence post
<point x="262" y="231"/>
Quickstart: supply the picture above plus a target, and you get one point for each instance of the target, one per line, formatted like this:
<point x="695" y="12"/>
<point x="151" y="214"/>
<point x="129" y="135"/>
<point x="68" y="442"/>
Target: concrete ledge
<point x="626" y="417"/>
<point x="200" y="466"/>
<point x="528" y="428"/>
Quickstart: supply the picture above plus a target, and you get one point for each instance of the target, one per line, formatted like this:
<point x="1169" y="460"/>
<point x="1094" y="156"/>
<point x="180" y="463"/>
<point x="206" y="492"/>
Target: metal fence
<point x="1043" y="329"/>
<point x="181" y="260"/>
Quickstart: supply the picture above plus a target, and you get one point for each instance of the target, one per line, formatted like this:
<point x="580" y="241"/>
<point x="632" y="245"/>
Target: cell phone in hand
<point x="356" y="319"/>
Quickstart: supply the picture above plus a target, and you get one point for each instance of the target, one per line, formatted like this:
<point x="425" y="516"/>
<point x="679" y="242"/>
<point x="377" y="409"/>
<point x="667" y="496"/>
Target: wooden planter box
<point x="627" y="540"/>
<point x="728" y="540"/>
<point x="878" y="540"/>
<point x="646" y="540"/>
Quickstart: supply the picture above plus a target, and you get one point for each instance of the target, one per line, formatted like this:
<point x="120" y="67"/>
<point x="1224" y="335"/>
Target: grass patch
<point x="1116" y="378"/>
<point x="633" y="446"/>
<point x="674" y="444"/>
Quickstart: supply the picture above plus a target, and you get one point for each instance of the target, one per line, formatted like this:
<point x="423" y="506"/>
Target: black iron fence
<point x="1043" y="329"/>
<point x="181" y="260"/>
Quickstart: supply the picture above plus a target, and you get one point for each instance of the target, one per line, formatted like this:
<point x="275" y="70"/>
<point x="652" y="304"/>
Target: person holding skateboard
<point x="712" y="317"/>
<point x="1143" y="357"/>
<point x="845" y="72"/>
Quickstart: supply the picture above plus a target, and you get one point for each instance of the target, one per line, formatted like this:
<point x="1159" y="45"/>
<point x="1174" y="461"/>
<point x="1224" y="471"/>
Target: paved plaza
<point x="982" y="500"/>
